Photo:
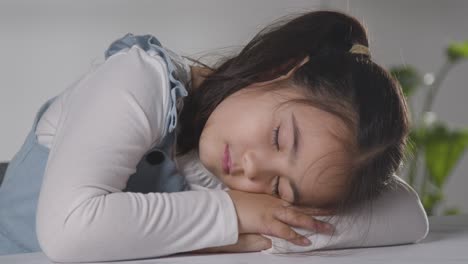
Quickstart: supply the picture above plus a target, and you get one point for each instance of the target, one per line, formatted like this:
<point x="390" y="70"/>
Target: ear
<point x="285" y="76"/>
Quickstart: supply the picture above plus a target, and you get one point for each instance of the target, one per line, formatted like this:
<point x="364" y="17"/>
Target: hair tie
<point x="360" y="49"/>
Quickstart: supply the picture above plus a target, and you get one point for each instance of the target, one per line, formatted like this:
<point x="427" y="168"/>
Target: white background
<point x="46" y="45"/>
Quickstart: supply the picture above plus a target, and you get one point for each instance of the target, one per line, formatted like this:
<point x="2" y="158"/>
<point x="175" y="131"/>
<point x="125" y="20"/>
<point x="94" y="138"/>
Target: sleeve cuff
<point x="231" y="231"/>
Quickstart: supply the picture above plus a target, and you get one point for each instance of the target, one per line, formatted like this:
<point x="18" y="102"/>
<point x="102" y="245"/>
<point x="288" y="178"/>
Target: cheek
<point x="231" y="122"/>
<point x="285" y="192"/>
<point x="209" y="147"/>
<point x="241" y="184"/>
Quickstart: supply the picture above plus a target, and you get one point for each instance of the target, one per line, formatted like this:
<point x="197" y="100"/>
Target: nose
<point x="258" y="166"/>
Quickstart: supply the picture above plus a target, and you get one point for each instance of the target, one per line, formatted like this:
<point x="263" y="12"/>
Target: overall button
<point x="155" y="157"/>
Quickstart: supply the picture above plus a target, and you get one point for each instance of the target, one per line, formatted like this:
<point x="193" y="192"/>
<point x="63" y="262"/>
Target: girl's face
<point x="304" y="164"/>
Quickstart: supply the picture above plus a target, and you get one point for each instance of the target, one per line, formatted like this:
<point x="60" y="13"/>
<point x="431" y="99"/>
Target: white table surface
<point x="447" y="242"/>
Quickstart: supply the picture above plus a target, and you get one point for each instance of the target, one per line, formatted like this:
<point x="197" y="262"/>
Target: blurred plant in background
<point x="431" y="141"/>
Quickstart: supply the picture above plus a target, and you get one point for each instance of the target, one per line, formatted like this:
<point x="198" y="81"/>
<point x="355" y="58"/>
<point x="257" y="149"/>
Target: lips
<point x="226" y="161"/>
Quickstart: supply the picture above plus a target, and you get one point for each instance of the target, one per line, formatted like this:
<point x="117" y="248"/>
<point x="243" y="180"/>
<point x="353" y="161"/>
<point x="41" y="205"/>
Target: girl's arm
<point x="245" y="243"/>
<point x="111" y="118"/>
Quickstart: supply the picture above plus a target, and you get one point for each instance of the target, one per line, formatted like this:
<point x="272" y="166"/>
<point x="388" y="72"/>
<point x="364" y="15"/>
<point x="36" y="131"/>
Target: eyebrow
<point x="293" y="155"/>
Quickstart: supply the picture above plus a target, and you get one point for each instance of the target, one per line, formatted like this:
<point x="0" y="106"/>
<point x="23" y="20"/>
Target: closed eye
<point x="275" y="190"/>
<point x="275" y="142"/>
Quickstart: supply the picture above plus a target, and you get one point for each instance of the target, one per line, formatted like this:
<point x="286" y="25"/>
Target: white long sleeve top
<point x="97" y="131"/>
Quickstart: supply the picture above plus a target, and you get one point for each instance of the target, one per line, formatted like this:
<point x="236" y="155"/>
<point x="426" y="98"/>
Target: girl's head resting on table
<point x="298" y="108"/>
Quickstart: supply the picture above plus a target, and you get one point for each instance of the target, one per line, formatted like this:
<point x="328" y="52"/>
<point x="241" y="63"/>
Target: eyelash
<point x="275" y="187"/>
<point x="275" y="143"/>
<point x="275" y="138"/>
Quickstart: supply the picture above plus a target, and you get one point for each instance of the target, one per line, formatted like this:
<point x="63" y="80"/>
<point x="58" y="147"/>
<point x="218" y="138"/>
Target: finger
<point x="314" y="211"/>
<point x="295" y="218"/>
<point x="283" y="231"/>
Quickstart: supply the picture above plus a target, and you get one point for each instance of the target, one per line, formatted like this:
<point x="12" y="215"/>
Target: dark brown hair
<point x="350" y="86"/>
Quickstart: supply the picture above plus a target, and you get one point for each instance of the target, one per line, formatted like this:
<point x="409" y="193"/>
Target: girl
<point x="146" y="156"/>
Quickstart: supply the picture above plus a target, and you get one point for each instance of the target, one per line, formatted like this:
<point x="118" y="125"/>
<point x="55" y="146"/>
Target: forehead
<point x="321" y="172"/>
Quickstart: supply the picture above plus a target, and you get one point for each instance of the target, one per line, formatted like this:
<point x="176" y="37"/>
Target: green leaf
<point x="452" y="211"/>
<point x="429" y="201"/>
<point x="443" y="149"/>
<point x="457" y="50"/>
<point x="408" y="77"/>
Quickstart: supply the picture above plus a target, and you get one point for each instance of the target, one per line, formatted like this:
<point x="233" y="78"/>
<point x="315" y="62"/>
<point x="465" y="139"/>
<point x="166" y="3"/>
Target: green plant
<point x="431" y="140"/>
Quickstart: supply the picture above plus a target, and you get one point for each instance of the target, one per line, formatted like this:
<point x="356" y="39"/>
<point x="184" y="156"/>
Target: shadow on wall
<point x="3" y="167"/>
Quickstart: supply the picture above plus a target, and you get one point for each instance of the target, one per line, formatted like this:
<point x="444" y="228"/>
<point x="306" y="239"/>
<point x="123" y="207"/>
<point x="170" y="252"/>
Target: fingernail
<point x="305" y="241"/>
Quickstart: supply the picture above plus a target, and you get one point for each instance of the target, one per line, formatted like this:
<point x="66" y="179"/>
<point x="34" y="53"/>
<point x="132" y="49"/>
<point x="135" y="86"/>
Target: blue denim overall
<point x="156" y="171"/>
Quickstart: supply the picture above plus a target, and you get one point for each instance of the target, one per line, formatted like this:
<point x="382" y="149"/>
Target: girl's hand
<point x="265" y="214"/>
<point x="245" y="243"/>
